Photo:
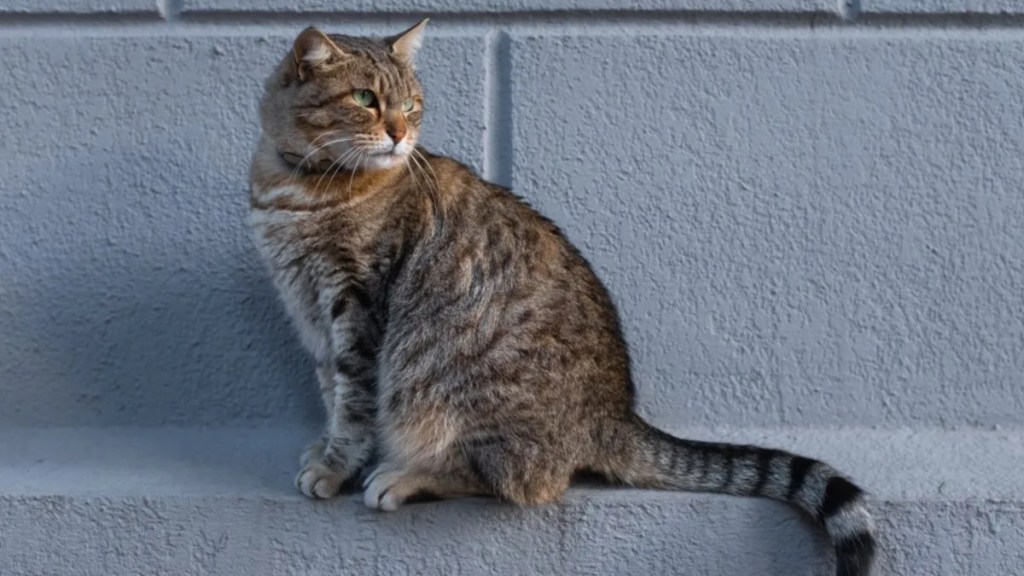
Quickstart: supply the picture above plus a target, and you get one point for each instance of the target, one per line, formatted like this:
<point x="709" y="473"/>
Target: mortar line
<point x="497" y="140"/>
<point x="170" y="10"/>
<point x="849" y="10"/>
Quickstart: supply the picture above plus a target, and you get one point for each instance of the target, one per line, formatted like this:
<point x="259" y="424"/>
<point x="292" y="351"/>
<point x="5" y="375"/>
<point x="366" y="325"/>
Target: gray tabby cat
<point x="461" y="342"/>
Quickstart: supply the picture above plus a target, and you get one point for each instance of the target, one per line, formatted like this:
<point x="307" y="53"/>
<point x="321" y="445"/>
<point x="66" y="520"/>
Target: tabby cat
<point x="462" y="344"/>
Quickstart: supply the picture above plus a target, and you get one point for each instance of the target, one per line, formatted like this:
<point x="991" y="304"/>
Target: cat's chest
<point x="291" y="244"/>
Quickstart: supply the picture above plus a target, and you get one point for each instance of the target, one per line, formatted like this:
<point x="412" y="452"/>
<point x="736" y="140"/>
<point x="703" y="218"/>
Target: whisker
<point x="408" y="167"/>
<point x="432" y="177"/>
<point x="432" y="189"/>
<point x="336" y="165"/>
<point x="421" y="176"/>
<point x="341" y="166"/>
<point x="429" y="166"/>
<point x="295" y="172"/>
<point x="359" y="160"/>
<point x="323" y="135"/>
<point x="337" y="162"/>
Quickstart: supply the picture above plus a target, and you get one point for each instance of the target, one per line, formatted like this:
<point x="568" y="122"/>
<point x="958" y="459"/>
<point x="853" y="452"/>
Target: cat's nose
<point x="396" y="134"/>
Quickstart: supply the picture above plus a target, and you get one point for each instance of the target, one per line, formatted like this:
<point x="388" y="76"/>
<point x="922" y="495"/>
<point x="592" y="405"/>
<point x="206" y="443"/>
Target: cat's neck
<point x="281" y="178"/>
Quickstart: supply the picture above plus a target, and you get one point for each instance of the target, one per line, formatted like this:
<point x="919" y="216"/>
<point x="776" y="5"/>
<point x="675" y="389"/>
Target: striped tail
<point x="638" y="454"/>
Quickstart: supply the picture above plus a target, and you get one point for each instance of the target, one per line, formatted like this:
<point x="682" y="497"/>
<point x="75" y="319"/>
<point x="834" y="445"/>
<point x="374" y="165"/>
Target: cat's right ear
<point x="314" y="51"/>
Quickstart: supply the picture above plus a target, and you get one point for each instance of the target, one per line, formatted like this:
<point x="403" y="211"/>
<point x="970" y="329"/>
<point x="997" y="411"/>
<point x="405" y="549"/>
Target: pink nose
<point x="396" y="133"/>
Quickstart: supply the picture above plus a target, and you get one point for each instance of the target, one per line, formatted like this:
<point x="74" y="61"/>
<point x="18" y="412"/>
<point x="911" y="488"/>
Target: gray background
<point x="809" y="212"/>
<point x="804" y="221"/>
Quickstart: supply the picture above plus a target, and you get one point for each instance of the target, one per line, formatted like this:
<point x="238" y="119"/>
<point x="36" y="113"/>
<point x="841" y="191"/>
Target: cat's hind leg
<point x="390" y="485"/>
<point x="520" y="469"/>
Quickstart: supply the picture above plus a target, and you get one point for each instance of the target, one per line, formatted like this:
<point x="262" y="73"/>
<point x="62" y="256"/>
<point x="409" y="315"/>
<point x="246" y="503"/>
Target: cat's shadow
<point x="150" y="308"/>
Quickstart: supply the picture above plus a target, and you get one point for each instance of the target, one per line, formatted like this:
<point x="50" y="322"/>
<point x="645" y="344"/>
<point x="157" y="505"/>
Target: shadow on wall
<point x="137" y="299"/>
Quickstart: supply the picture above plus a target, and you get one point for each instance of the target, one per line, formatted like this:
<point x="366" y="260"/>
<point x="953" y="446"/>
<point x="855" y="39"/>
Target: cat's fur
<point x="461" y="342"/>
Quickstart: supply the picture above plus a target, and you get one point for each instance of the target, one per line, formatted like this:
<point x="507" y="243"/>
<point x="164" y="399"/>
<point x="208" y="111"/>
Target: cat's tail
<point x="637" y="454"/>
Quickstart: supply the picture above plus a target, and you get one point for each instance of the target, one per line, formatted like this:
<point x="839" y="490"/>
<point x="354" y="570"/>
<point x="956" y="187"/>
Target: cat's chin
<point x="383" y="161"/>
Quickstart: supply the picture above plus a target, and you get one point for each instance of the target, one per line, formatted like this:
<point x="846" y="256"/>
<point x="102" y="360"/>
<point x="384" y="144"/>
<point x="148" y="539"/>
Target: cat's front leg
<point x="325" y="377"/>
<point x="315" y="479"/>
<point x="347" y="386"/>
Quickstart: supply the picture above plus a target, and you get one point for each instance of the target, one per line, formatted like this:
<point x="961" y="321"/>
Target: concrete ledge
<point x="198" y="501"/>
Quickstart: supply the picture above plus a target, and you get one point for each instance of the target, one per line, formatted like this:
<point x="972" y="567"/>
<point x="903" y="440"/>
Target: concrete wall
<point x="809" y="211"/>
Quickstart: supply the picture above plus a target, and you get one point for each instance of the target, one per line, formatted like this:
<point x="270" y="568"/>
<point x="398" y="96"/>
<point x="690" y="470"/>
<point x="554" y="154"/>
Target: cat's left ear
<point x="405" y="45"/>
<point x="314" y="51"/>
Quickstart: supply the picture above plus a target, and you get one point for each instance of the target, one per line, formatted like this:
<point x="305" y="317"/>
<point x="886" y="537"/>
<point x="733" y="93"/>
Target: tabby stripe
<point x="764" y="470"/>
<point x="674" y="456"/>
<point x="730" y="466"/>
<point x="854" y="554"/>
<point x="478" y="470"/>
<point x="399" y="262"/>
<point x="838" y="492"/>
<point x="306" y="121"/>
<point x="352" y="368"/>
<point x="798" y="470"/>
<point x="688" y="462"/>
<point x="363" y="348"/>
<point x="856" y="544"/>
<point x="339" y="306"/>
<point x="362" y="296"/>
<point x="703" y="457"/>
<point x="394" y="402"/>
<point x="359" y="417"/>
<point x="324" y="100"/>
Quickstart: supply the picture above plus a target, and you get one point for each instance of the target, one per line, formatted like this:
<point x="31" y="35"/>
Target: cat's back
<point x="496" y="224"/>
<point x="506" y="261"/>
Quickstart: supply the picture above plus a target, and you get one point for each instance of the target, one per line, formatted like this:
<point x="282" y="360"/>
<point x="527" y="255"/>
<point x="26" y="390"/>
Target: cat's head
<point x="347" y="99"/>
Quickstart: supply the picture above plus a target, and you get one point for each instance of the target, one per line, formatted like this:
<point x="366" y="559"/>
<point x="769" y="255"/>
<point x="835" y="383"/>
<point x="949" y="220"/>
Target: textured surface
<point x="221" y="501"/>
<point x="807" y="224"/>
<point x="893" y="465"/>
<point x="79" y="6"/>
<point x="962" y="7"/>
<point x="800" y="231"/>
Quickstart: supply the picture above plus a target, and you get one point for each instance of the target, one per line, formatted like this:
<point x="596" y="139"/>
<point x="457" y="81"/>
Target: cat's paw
<point x="386" y="488"/>
<point x="319" y="482"/>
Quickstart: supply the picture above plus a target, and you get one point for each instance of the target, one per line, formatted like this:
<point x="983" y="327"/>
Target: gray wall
<point x="809" y="212"/>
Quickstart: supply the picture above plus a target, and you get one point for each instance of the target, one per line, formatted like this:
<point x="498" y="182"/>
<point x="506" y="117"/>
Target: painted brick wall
<point x="809" y="211"/>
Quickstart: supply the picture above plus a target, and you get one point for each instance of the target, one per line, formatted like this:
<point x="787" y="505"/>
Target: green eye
<point x="364" y="98"/>
<point x="407" y="105"/>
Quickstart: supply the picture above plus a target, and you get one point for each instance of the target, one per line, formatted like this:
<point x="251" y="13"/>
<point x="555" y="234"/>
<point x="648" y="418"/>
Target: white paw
<point x="380" y="489"/>
<point x="318" y="481"/>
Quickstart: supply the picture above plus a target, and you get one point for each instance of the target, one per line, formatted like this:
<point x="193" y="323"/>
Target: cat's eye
<point x="407" y="105"/>
<point x="365" y="98"/>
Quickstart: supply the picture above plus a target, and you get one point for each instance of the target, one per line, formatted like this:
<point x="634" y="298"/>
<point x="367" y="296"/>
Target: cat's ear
<point x="313" y="51"/>
<point x="405" y="45"/>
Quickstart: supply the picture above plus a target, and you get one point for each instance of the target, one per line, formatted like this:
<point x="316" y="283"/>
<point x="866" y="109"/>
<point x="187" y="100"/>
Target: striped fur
<point x="643" y="456"/>
<point x="463" y="345"/>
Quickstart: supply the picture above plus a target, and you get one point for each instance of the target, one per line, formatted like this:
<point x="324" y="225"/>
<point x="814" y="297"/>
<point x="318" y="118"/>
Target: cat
<point x="463" y="346"/>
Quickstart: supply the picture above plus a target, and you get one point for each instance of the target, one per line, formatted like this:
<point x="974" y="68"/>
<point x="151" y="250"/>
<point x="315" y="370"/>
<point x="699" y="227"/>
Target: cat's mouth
<point x="396" y="150"/>
<point x="386" y="158"/>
